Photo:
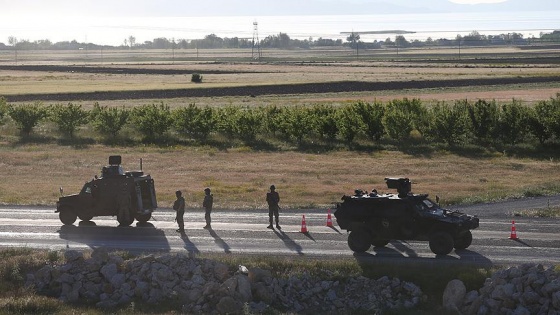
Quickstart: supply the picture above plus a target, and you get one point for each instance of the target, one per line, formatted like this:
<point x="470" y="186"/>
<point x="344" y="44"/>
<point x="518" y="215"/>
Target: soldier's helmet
<point x="272" y="187"/>
<point x="178" y="193"/>
<point x="207" y="189"/>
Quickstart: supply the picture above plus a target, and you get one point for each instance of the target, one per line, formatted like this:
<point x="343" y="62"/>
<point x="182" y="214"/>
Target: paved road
<point x="245" y="232"/>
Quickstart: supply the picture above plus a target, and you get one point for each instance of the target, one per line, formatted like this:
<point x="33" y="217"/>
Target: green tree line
<point x="284" y="41"/>
<point x="462" y="122"/>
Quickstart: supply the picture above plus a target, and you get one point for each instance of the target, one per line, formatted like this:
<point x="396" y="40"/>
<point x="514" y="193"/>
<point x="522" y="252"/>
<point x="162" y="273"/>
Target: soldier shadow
<point x="189" y="246"/>
<point x="290" y="244"/>
<point x="144" y="237"/>
<point x="219" y="241"/>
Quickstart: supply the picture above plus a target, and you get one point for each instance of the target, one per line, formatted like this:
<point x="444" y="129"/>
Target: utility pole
<point x="173" y="50"/>
<point x="256" y="53"/>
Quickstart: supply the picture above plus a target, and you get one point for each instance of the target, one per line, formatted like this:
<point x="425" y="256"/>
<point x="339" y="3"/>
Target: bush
<point x="403" y="116"/>
<point x="27" y="116"/>
<point x="296" y="123"/>
<point x="544" y="119"/>
<point x="512" y="123"/>
<point x="272" y="117"/>
<point x="194" y="121"/>
<point x="152" y="121"/>
<point x="248" y="123"/>
<point x="109" y="121"/>
<point x="324" y="118"/>
<point x="448" y="124"/>
<point x="372" y="118"/>
<point x="226" y="120"/>
<point x="196" y="78"/>
<point x="349" y="124"/>
<point x="68" y="118"/>
<point x="483" y="120"/>
<point x="3" y="109"/>
<point x="538" y="121"/>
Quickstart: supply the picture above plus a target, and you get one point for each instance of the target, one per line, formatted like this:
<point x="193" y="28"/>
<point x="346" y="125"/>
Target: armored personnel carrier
<point x="375" y="219"/>
<point x="126" y="195"/>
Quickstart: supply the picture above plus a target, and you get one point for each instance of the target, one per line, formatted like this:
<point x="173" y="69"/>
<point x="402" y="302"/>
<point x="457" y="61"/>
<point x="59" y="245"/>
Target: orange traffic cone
<point x="513" y="235"/>
<point x="303" y="225"/>
<point x="329" y="219"/>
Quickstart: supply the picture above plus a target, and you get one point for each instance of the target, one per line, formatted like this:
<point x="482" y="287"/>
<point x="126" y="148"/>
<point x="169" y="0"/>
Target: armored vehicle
<point x="375" y="219"/>
<point x="126" y="195"/>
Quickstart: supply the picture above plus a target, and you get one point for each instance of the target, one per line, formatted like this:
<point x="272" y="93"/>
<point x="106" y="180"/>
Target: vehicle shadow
<point x="402" y="256"/>
<point x="474" y="258"/>
<point x="402" y="246"/>
<point x="141" y="238"/>
<point x="219" y="241"/>
<point x="290" y="244"/>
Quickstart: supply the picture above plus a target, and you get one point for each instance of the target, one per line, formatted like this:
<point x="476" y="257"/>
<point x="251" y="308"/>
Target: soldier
<point x="273" y="198"/>
<point x="179" y="206"/>
<point x="207" y="204"/>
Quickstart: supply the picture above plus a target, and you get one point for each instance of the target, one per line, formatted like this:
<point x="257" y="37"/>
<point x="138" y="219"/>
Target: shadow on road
<point x="189" y="246"/>
<point x="402" y="246"/>
<point x="219" y="241"/>
<point x="402" y="255"/>
<point x="290" y="244"/>
<point x="309" y="236"/>
<point x="141" y="238"/>
<point x="522" y="242"/>
<point x="335" y="229"/>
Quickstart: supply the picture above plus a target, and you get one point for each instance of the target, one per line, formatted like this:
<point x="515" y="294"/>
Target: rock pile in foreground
<point x="207" y="286"/>
<point x="520" y="290"/>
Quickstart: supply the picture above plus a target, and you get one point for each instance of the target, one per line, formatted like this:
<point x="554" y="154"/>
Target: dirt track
<point x="256" y="90"/>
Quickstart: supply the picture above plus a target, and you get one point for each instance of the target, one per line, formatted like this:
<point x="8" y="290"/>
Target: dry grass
<point x="32" y="174"/>
<point x="280" y="67"/>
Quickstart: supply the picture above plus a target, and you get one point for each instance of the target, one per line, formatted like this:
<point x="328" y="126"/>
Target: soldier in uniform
<point x="207" y="204"/>
<point x="179" y="206"/>
<point x="273" y="198"/>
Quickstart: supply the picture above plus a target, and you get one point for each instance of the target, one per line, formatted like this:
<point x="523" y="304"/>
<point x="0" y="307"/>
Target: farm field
<point x="528" y="75"/>
<point x="33" y="170"/>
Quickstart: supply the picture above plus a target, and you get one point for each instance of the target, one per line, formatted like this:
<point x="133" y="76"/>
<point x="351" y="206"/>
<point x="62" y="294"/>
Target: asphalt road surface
<point x="245" y="233"/>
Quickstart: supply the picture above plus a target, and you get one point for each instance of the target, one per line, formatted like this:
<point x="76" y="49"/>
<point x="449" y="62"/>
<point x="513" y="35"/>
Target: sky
<point x="111" y="21"/>
<point x="476" y="1"/>
<point x="60" y="8"/>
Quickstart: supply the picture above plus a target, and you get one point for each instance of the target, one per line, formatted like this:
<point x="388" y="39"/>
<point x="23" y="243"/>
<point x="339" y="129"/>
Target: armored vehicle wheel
<point x="143" y="218"/>
<point x="67" y="216"/>
<point x="379" y="243"/>
<point x="441" y="243"/>
<point x="359" y="240"/>
<point x="125" y="221"/>
<point x="464" y="240"/>
<point x="84" y="217"/>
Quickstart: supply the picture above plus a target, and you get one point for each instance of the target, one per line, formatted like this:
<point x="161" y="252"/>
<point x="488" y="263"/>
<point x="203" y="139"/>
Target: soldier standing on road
<point x="179" y="206"/>
<point x="273" y="198"/>
<point x="207" y="204"/>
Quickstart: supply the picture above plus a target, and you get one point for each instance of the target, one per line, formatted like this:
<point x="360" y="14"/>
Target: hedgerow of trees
<point x="284" y="41"/>
<point x="400" y="121"/>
